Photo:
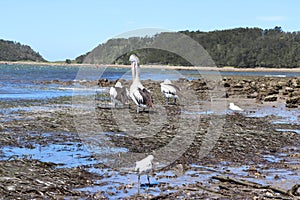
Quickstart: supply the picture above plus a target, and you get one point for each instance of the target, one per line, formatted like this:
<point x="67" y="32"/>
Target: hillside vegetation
<point x="240" y="47"/>
<point x="14" y="51"/>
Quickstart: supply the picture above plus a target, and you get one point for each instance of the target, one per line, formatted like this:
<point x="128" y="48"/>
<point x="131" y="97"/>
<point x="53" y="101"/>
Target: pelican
<point x="138" y="93"/>
<point x="144" y="166"/>
<point x="118" y="94"/>
<point x="234" y="107"/>
<point x="169" y="90"/>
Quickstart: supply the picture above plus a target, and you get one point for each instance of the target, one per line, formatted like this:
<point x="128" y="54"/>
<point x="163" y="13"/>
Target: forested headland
<point x="14" y="51"/>
<point x="239" y="47"/>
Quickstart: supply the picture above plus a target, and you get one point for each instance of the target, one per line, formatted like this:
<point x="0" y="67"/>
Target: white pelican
<point x="144" y="166"/>
<point x="234" y="107"/>
<point x="118" y="94"/>
<point x="138" y="93"/>
<point x="169" y="90"/>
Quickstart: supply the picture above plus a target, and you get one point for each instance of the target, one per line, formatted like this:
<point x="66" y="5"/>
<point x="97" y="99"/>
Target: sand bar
<point x="202" y="68"/>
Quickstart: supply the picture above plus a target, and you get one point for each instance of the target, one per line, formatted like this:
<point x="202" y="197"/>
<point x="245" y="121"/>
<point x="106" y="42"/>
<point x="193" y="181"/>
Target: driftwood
<point x="291" y="193"/>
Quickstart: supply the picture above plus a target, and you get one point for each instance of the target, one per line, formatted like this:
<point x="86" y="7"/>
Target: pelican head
<point x="167" y="81"/>
<point x="119" y="84"/>
<point x="134" y="58"/>
<point x="150" y="157"/>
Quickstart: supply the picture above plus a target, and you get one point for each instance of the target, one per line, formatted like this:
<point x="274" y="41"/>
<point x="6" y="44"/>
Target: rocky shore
<point x="266" y="89"/>
<point x="253" y="157"/>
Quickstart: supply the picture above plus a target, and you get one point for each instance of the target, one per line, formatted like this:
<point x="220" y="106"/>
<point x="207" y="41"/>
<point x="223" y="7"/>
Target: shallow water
<point x="124" y="184"/>
<point x="63" y="153"/>
<point x="71" y="154"/>
<point x="281" y="114"/>
<point x="289" y="130"/>
<point x="18" y="81"/>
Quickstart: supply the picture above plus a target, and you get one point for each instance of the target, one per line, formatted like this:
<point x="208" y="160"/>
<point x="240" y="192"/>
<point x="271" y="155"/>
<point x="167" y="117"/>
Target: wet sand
<point x="255" y="154"/>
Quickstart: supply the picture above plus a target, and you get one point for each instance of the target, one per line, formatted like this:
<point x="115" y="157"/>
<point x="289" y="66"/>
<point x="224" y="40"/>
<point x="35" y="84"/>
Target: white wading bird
<point x="138" y="93"/>
<point x="144" y="166"/>
<point x="118" y="94"/>
<point x="234" y="107"/>
<point x="169" y="90"/>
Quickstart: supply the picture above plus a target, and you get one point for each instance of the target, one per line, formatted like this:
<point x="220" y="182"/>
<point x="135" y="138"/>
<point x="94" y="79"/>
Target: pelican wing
<point x="136" y="96"/>
<point x="169" y="89"/>
<point x="144" y="166"/>
<point x="146" y="97"/>
<point x="121" y="95"/>
<point x="113" y="92"/>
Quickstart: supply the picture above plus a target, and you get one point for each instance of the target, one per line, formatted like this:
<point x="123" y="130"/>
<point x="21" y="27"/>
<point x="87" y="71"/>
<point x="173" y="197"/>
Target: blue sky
<point x="61" y="29"/>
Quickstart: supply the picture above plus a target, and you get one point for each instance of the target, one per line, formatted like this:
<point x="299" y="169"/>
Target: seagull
<point x="169" y="90"/>
<point x="138" y="93"/>
<point x="234" y="107"/>
<point x="144" y="166"/>
<point x="118" y="94"/>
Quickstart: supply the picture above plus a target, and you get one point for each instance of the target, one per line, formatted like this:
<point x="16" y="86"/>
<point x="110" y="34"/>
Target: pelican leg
<point x="139" y="184"/>
<point x="137" y="109"/>
<point x="113" y="103"/>
<point x="175" y="101"/>
<point x="148" y="177"/>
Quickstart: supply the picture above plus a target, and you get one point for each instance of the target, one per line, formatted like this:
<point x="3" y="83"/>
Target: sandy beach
<point x="225" y="69"/>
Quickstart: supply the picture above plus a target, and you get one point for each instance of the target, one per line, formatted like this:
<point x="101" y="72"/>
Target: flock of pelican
<point x="143" y="99"/>
<point x="140" y="95"/>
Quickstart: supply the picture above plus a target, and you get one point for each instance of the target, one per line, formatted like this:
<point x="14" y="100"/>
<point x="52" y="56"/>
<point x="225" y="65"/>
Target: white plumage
<point x="234" y="107"/>
<point x="169" y="90"/>
<point x="138" y="93"/>
<point x="118" y="94"/>
<point x="144" y="166"/>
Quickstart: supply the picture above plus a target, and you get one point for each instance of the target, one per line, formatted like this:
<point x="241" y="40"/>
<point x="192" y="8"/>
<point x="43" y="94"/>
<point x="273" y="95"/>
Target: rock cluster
<point x="263" y="89"/>
<point x="266" y="89"/>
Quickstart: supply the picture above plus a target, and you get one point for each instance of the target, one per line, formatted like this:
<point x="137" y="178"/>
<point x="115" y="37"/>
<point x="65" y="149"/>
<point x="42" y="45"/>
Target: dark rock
<point x="272" y="91"/>
<point x="290" y="105"/>
<point x="293" y="100"/>
<point x="226" y="84"/>
<point x="270" y="98"/>
<point x="294" y="94"/>
<point x="289" y="89"/>
<point x="104" y="82"/>
<point x="238" y="85"/>
<point x="261" y="95"/>
<point x="56" y="81"/>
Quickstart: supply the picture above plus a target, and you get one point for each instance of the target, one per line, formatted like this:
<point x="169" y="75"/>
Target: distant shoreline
<point x="224" y="69"/>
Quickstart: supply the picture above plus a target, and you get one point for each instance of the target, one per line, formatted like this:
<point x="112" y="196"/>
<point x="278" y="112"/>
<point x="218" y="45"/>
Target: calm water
<point x="21" y="81"/>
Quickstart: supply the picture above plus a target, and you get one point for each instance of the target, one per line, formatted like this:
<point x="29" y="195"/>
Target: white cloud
<point x="271" y="18"/>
